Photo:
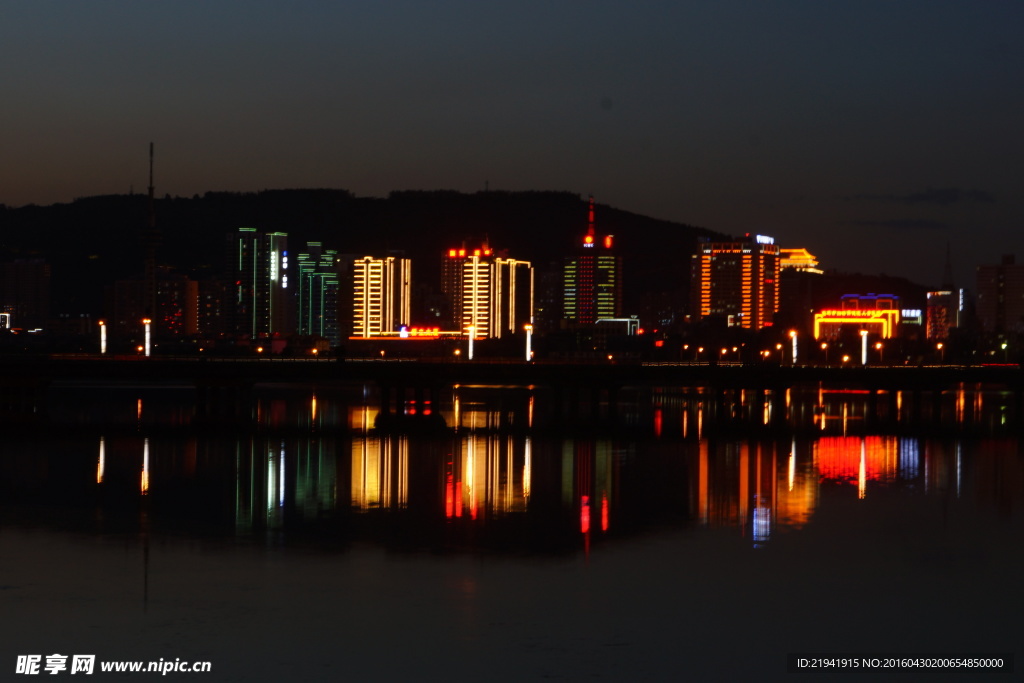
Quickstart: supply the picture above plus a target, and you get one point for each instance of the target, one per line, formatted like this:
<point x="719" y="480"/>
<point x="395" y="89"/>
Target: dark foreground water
<point x="313" y="547"/>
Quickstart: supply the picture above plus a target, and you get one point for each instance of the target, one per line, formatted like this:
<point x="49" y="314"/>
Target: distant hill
<point x="94" y="241"/>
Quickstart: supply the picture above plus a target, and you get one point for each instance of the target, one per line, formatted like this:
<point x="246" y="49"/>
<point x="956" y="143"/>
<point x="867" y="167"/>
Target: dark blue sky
<point x="872" y="133"/>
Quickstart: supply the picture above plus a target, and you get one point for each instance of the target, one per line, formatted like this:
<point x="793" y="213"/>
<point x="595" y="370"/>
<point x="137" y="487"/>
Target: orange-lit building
<point x="737" y="281"/>
<point x="490" y="293"/>
<point x="381" y="296"/>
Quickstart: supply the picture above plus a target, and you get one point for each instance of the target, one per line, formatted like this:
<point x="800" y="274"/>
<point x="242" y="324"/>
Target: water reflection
<point x="486" y="482"/>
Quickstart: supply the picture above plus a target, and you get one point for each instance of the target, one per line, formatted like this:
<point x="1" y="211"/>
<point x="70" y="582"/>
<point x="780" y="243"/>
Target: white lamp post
<point x="529" y="349"/>
<point x="863" y="347"/>
<point x="147" y="322"/>
<point x="472" y="333"/>
<point x="103" y="336"/>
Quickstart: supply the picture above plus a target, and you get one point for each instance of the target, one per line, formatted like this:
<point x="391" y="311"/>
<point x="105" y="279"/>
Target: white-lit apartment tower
<point x="737" y="281"/>
<point x="381" y="295"/>
<point x="491" y="294"/>
<point x="592" y="278"/>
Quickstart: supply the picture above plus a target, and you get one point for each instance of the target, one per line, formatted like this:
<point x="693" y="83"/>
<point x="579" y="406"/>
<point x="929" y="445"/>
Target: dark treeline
<point x="94" y="241"/>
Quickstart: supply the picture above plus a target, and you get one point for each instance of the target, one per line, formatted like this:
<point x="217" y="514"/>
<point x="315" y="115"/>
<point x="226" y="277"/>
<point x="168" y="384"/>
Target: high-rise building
<point x="382" y="295"/>
<point x="1000" y="301"/>
<point x="176" y="306"/>
<point x="491" y="294"/>
<point x="257" y="264"/>
<point x="25" y="292"/>
<point x="737" y="281"/>
<point x="592" y="278"/>
<point x="317" y="292"/>
<point x="945" y="308"/>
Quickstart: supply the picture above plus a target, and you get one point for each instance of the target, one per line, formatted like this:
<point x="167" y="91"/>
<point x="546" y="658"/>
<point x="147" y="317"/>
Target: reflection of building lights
<point x="102" y="461"/>
<point x="761" y="528"/>
<point x="144" y="483"/>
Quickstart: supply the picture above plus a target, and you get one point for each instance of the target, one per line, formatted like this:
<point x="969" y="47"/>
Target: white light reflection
<point x="909" y="459"/>
<point x="144" y="484"/>
<point x="762" y="525"/>
<point x="102" y="461"/>
<point x="792" y="465"/>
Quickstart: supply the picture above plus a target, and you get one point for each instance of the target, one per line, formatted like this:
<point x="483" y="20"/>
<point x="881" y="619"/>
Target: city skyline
<point x="857" y="126"/>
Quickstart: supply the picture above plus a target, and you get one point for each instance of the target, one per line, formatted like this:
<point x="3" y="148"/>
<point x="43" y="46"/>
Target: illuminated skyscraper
<point x="493" y="294"/>
<point x="381" y="295"/>
<point x="257" y="267"/>
<point x="317" y="292"/>
<point x="737" y="281"/>
<point x="592" y="278"/>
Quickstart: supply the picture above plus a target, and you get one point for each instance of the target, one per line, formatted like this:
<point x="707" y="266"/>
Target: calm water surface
<point x="698" y="543"/>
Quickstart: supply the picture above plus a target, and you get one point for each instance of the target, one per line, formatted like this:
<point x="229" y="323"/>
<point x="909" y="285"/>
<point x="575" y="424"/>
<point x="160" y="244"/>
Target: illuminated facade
<point x="381" y="295"/>
<point x="943" y="313"/>
<point x="738" y="281"/>
<point x="879" y="314"/>
<point x="592" y="278"/>
<point x="257" y="265"/>
<point x="317" y="292"/>
<point x="798" y="259"/>
<point x="1001" y="296"/>
<point x="489" y="293"/>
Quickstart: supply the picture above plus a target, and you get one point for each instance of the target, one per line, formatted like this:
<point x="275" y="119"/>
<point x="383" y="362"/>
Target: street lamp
<point x="792" y="336"/>
<point x="824" y="347"/>
<point x="863" y="347"/>
<point x="878" y="347"/>
<point x="529" y="338"/>
<point x="103" y="336"/>
<point x="1006" y="354"/>
<point x="147" y="322"/>
<point x="942" y="351"/>
<point x="472" y="333"/>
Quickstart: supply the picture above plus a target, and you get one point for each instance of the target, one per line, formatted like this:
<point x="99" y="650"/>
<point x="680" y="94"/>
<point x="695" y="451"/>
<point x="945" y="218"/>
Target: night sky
<point x="872" y="133"/>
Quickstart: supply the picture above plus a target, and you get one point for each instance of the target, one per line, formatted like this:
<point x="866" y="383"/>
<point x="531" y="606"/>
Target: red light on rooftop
<point x="452" y="252"/>
<point x="607" y="241"/>
<point x="487" y="252"/>
<point x="476" y="252"/>
<point x="462" y="252"/>
<point x="589" y="239"/>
